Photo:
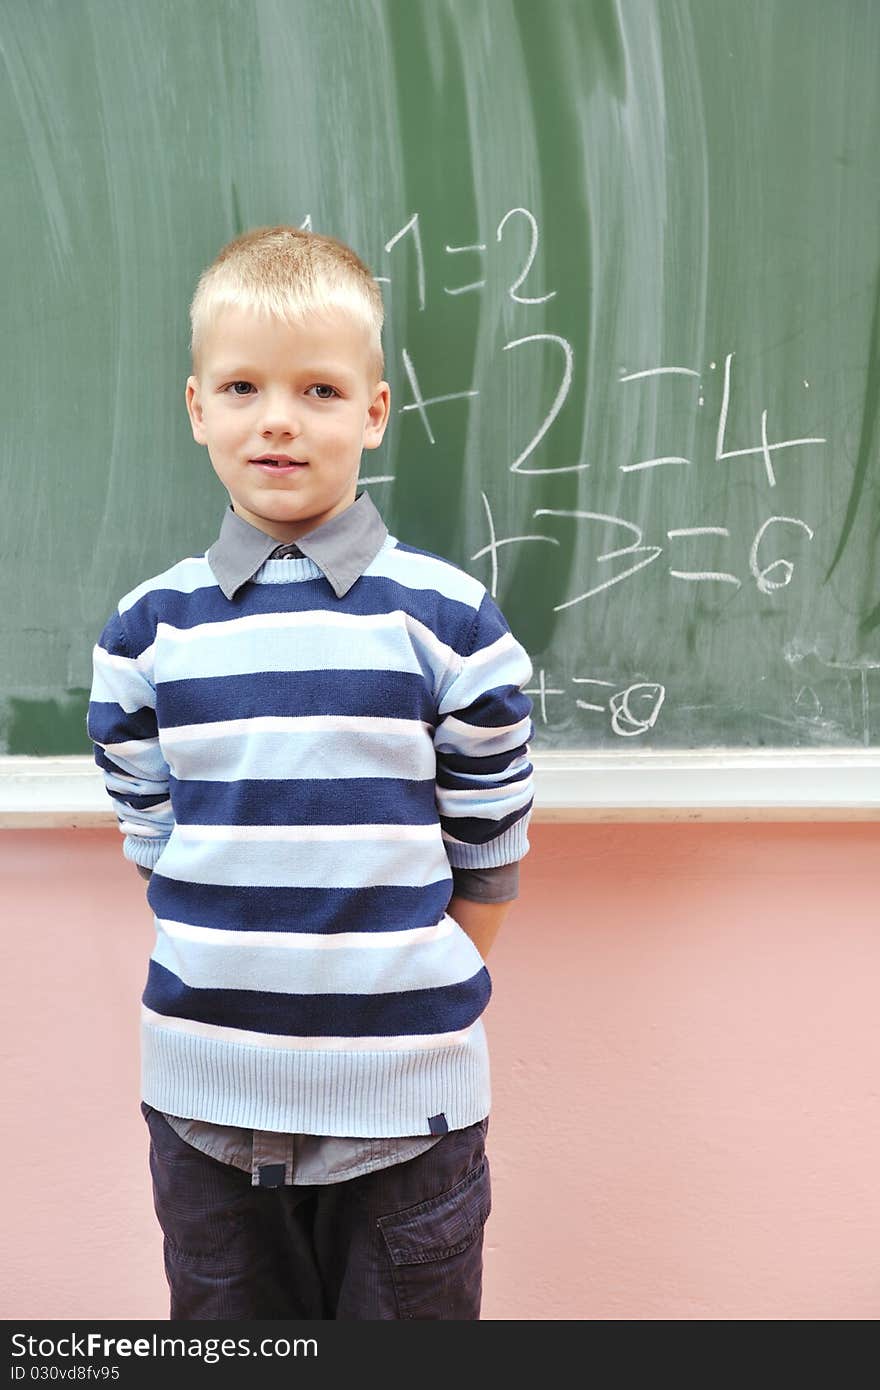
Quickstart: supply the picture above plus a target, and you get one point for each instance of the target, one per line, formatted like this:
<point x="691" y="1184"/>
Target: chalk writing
<point x="523" y="299"/>
<point x="495" y="544"/>
<point x="558" y="402"/>
<point x="765" y="448"/>
<point x="761" y="576"/>
<point x="421" y="402"/>
<point x="702" y="552"/>
<point x="632" y="709"/>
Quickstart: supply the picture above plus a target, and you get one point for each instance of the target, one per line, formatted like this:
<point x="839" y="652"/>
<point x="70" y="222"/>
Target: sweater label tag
<point x="272" y="1175"/>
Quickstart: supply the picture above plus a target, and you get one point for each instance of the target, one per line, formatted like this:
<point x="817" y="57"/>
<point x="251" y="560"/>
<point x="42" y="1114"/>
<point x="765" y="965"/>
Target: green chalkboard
<point x="629" y="252"/>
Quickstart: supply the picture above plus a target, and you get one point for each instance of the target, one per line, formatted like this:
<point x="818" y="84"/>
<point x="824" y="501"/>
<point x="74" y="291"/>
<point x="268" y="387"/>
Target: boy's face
<point x="265" y="388"/>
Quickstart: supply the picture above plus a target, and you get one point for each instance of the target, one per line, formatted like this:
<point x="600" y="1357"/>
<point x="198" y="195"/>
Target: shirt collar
<point x="342" y="547"/>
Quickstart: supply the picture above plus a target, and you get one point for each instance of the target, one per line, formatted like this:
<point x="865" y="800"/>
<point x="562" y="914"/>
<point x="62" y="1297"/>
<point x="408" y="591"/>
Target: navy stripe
<point x="110" y="723"/>
<point x="450" y="782"/>
<point x="382" y="907"/>
<point x="444" y="1009"/>
<point x="104" y="761"/>
<point x="494" y="762"/>
<point x="359" y="693"/>
<point x="372" y="594"/>
<point x="503" y="704"/>
<point x="138" y="803"/>
<point x="479" y="830"/>
<point x="113" y="637"/>
<point x="306" y="801"/>
<point x="490" y="623"/>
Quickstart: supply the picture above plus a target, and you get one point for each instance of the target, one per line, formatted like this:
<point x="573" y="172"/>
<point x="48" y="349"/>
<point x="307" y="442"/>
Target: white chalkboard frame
<point x="713" y="784"/>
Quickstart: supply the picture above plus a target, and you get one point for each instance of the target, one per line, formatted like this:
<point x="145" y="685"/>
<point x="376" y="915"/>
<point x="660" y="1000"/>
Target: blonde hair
<point x="289" y="274"/>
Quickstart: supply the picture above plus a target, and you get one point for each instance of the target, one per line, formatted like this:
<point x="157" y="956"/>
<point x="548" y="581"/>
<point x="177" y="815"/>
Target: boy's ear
<point x="194" y="409"/>
<point x="377" y="416"/>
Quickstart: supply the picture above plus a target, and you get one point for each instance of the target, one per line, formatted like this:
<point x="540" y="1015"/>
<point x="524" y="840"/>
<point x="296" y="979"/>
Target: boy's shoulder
<point x="418" y="568"/>
<point x="183" y="577"/>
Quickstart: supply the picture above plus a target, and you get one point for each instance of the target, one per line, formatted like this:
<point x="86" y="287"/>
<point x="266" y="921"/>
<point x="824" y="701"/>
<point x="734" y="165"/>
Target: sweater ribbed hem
<point x="373" y="1095"/>
<point x="511" y="845"/>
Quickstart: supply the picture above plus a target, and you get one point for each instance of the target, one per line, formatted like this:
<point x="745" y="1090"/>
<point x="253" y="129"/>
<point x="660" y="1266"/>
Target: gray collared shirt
<point x="342" y="548"/>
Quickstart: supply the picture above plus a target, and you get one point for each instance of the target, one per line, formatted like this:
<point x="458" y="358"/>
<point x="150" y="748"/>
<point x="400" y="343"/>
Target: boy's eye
<point x="319" y="386"/>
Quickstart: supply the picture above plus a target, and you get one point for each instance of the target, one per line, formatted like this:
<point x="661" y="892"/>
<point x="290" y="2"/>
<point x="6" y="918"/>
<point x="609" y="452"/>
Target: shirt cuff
<point x="499" y="884"/>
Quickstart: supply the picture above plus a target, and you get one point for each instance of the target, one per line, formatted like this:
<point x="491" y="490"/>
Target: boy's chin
<point x="283" y="521"/>
<point x="272" y="509"/>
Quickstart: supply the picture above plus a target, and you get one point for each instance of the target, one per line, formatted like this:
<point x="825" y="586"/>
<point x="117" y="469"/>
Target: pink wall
<point x="685" y="1038"/>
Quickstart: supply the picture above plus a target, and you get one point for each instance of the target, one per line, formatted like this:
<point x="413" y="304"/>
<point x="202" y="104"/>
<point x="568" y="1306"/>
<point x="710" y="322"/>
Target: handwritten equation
<point x="623" y="546"/>
<point x="631" y="709"/>
<point x="768" y="574"/>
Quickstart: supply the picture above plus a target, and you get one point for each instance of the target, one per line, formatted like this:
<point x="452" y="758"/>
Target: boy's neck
<point x="289" y="534"/>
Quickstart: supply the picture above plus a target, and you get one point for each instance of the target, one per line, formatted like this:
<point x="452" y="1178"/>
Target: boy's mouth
<point x="279" y="463"/>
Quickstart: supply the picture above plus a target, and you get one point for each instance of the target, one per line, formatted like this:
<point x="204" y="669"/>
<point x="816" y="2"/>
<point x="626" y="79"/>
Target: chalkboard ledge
<point x="710" y="784"/>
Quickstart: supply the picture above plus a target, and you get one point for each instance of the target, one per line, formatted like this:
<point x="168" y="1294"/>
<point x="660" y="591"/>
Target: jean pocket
<point x="436" y="1250"/>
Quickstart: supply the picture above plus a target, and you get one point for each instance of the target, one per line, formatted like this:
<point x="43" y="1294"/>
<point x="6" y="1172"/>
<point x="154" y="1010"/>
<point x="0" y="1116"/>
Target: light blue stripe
<point x="240" y="649"/>
<point x="121" y="684"/>
<point x="512" y="666"/>
<point x="382" y="969"/>
<point x="428" y="572"/>
<point x="307" y="864"/>
<point x="357" y="751"/>
<point x="185" y="577"/>
<point x="458" y="739"/>
<point x="466" y="805"/>
<point x="149" y="769"/>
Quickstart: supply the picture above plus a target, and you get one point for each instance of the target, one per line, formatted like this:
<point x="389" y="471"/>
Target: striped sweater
<point x="301" y="767"/>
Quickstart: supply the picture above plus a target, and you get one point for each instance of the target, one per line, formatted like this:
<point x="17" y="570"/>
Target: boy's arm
<point x="481" y="899"/>
<point x="484" y="788"/>
<point x="481" y="921"/>
<point x="121" y="722"/>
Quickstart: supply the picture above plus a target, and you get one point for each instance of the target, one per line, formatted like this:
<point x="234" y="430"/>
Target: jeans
<point x="399" y="1242"/>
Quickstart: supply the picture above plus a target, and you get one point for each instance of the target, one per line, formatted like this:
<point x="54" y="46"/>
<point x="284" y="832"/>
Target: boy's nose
<point x="278" y="424"/>
<point x="280" y="417"/>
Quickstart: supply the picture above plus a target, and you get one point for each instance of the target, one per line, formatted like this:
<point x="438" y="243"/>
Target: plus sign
<point x="542" y="691"/>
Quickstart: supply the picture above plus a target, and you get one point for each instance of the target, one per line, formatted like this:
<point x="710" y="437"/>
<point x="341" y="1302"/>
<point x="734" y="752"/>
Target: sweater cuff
<point x="143" y="851"/>
<point x="511" y="844"/>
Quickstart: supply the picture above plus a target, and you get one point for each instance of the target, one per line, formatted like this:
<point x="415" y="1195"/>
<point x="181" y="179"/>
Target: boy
<point x="313" y="735"/>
